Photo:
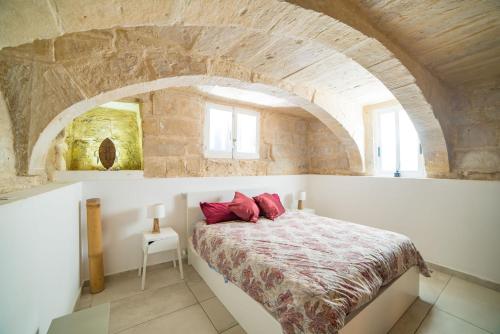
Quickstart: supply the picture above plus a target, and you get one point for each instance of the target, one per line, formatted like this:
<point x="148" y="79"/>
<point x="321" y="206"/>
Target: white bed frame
<point x="376" y="317"/>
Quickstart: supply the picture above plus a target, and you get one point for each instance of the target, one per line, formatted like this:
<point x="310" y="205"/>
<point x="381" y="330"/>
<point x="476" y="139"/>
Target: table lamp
<point x="156" y="212"/>
<point x="302" y="198"/>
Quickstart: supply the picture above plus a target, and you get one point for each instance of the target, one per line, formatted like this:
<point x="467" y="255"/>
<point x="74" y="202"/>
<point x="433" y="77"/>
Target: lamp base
<point x="301" y="204"/>
<point x="156" y="226"/>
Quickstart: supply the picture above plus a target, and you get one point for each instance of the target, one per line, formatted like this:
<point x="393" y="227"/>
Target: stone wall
<point x="476" y="134"/>
<point x="291" y="141"/>
<point x="8" y="179"/>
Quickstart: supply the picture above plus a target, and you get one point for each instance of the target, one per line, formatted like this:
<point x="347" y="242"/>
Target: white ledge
<point x="92" y="175"/>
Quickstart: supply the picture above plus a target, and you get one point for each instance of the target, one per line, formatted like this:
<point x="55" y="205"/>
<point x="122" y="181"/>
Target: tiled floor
<point x="174" y="306"/>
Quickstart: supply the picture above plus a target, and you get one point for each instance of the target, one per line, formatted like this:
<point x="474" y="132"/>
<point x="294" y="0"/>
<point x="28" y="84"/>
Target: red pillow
<point x="278" y="204"/>
<point x="244" y="207"/>
<point x="217" y="212"/>
<point x="270" y="205"/>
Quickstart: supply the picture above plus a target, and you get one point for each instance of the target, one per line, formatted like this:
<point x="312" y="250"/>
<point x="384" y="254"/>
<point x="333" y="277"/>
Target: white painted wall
<point x="454" y="223"/>
<point x="39" y="257"/>
<point x="124" y="202"/>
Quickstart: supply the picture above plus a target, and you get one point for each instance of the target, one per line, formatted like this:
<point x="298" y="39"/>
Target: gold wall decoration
<point x="87" y="132"/>
<point x="107" y="153"/>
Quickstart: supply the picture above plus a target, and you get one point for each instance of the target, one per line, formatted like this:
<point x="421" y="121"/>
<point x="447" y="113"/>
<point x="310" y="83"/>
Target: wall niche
<point x="119" y="122"/>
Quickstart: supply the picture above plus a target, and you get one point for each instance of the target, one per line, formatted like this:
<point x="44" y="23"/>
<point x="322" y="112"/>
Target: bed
<point x="304" y="273"/>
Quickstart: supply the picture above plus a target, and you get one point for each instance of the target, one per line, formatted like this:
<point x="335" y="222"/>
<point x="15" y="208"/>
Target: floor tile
<point x="431" y="287"/>
<point x="189" y="320"/>
<point x="473" y="303"/>
<point x="129" y="283"/>
<point x="235" y="330"/>
<point x="201" y="290"/>
<point x="136" y="309"/>
<point x="191" y="275"/>
<point x="84" y="301"/>
<point x="218" y="314"/>
<point x="439" y="322"/>
<point x="412" y="318"/>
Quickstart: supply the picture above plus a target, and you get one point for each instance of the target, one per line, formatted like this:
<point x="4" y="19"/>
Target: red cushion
<point x="217" y="212"/>
<point x="244" y="207"/>
<point x="270" y="205"/>
<point x="279" y="204"/>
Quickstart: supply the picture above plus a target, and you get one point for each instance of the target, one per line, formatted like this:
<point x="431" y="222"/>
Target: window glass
<point x="388" y="141"/>
<point x="231" y="133"/>
<point x="408" y="143"/>
<point x="246" y="129"/>
<point x="220" y="130"/>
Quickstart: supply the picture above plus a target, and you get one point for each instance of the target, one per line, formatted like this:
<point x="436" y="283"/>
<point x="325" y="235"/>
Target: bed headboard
<point x="193" y="211"/>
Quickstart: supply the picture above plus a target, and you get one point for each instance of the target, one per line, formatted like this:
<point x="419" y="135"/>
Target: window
<point x="231" y="133"/>
<point x="397" y="147"/>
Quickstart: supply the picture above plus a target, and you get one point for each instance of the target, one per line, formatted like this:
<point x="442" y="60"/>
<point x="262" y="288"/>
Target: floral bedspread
<point x="308" y="271"/>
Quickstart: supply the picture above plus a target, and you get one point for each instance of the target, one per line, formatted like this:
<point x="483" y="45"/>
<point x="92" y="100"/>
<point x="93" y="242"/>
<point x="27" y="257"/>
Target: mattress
<point x="309" y="272"/>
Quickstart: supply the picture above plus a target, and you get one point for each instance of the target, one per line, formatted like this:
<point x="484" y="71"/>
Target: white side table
<point x="166" y="240"/>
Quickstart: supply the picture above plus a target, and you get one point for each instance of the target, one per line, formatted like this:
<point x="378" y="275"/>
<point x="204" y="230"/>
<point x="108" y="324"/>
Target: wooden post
<point x="94" y="237"/>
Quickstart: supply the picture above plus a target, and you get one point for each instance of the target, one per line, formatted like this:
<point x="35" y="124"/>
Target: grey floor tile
<point x="201" y="290"/>
<point x="412" y="318"/>
<point x="439" y="322"/>
<point x="431" y="287"/>
<point x="186" y="321"/>
<point x="473" y="303"/>
<point x="218" y="314"/>
<point x="136" y="309"/>
<point x="84" y="301"/>
<point x="235" y="330"/>
<point x="129" y="283"/>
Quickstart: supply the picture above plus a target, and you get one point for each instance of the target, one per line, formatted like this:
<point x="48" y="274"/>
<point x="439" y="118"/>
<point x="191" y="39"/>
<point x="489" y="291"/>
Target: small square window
<point x="231" y="133"/>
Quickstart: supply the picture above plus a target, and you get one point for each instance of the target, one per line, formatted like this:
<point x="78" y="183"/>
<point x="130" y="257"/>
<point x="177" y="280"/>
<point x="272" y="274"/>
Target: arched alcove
<point x="260" y="42"/>
<point x="38" y="154"/>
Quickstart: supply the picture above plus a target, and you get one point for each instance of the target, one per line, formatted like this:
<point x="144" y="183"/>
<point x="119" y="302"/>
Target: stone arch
<point x="40" y="148"/>
<point x="424" y="99"/>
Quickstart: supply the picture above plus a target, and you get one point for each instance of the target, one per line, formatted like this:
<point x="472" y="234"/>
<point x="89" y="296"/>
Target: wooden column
<point x="94" y="237"/>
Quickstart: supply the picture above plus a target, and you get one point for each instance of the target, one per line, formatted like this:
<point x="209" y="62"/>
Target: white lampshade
<point x="302" y="196"/>
<point x="156" y="211"/>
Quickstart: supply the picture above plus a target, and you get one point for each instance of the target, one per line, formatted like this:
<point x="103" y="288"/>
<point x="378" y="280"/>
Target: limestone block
<point x="175" y="167"/>
<point x="193" y="167"/>
<point x="482" y="161"/>
<point x="95" y="14"/>
<point x="392" y="73"/>
<point x="150" y="126"/>
<point x="180" y="128"/>
<point x="7" y="156"/>
<point x="484" y="135"/>
<point x="115" y="70"/>
<point x="83" y="45"/>
<point x="154" y="166"/>
<point x="39" y="50"/>
<point x="163" y="147"/>
<point x="24" y="21"/>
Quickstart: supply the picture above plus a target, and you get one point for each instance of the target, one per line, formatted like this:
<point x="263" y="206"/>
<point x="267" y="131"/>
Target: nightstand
<point x="166" y="240"/>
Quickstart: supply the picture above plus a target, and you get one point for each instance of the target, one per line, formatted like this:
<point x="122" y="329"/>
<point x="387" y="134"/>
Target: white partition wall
<point x="454" y="223"/>
<point x="124" y="202"/>
<point x="39" y="257"/>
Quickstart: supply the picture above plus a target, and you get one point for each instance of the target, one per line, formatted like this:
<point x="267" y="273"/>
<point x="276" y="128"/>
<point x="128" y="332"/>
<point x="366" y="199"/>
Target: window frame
<point x="233" y="154"/>
<point x="420" y="172"/>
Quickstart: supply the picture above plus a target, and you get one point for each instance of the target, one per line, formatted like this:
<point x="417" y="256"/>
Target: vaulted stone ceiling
<point x="332" y="54"/>
<point x="459" y="41"/>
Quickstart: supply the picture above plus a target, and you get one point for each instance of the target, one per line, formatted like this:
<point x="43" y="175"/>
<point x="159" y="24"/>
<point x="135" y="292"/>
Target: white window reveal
<point x="231" y="133"/>
<point x="398" y="150"/>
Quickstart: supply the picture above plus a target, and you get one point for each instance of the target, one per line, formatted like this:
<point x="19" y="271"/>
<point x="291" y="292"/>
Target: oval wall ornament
<point x="107" y="153"/>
